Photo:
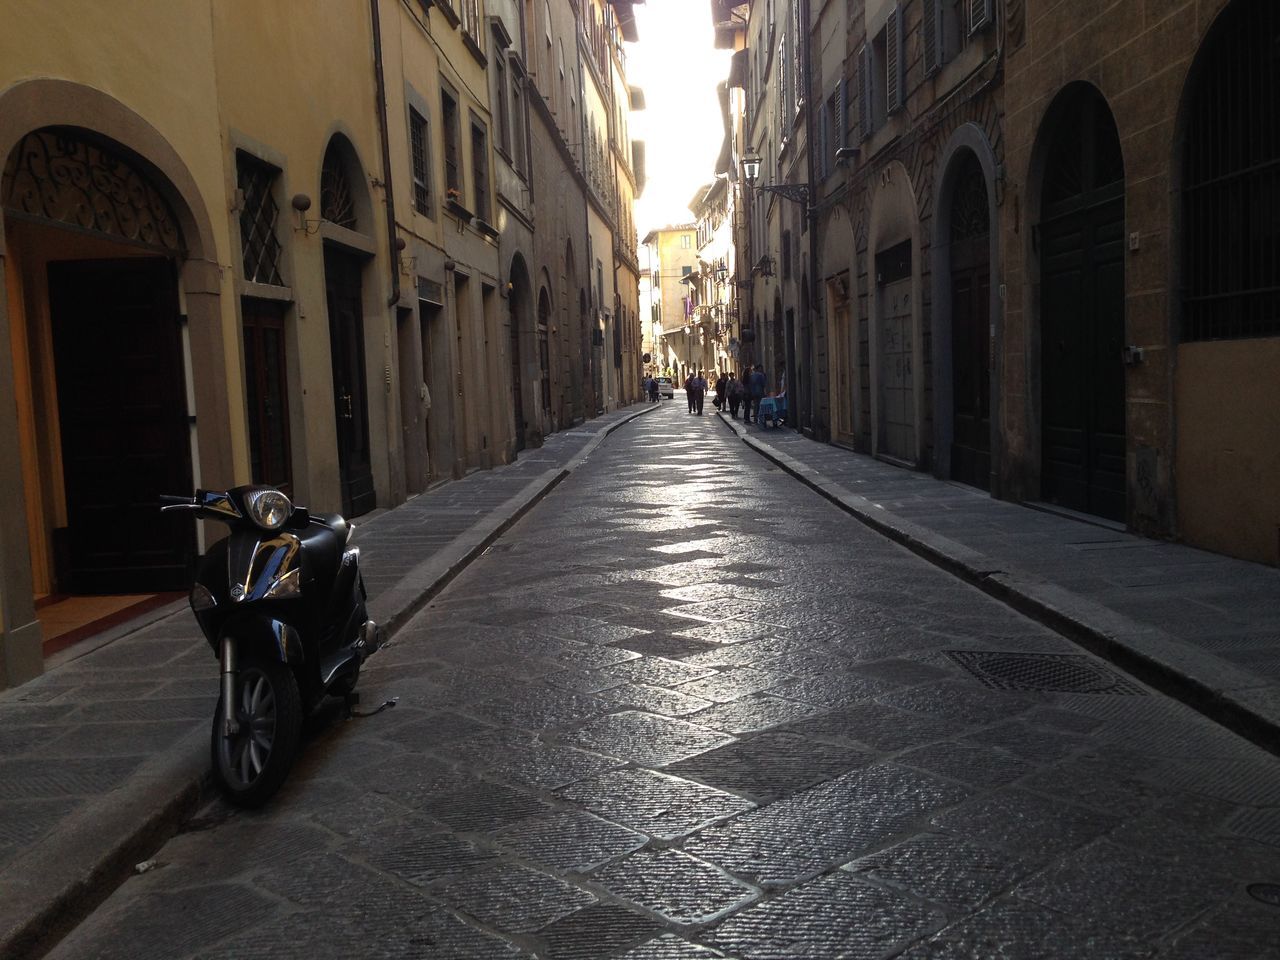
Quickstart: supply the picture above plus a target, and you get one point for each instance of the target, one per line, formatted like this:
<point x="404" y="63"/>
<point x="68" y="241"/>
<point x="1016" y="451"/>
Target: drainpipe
<point x="380" y="80"/>
<point x="811" y="215"/>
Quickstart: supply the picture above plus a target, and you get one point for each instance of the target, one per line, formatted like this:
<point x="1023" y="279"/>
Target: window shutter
<point x="797" y="51"/>
<point x="979" y="15"/>
<point x="842" y="112"/>
<point x="893" y="74"/>
<point x="824" y="138"/>
<point x="864" y="94"/>
<point x="931" y="29"/>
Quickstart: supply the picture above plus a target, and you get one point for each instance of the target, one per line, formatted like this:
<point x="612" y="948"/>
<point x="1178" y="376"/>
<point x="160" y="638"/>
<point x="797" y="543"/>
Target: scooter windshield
<point x="258" y="567"/>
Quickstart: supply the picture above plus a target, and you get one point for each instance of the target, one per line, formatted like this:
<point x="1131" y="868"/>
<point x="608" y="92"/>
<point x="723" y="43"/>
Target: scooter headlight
<point x="268" y="508"/>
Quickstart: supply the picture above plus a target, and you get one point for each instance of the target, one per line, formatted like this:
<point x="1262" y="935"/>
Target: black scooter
<point x="282" y="603"/>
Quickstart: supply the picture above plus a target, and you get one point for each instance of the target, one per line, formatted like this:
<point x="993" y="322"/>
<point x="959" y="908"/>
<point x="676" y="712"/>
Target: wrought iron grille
<point x="258" y="218"/>
<point x="421" y="169"/>
<point x="1231" y="193"/>
<point x="336" y="202"/>
<point x="56" y="174"/>
<point x="969" y="214"/>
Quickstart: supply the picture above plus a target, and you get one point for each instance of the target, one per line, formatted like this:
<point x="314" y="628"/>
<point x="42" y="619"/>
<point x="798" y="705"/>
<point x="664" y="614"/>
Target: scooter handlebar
<point x="170" y="502"/>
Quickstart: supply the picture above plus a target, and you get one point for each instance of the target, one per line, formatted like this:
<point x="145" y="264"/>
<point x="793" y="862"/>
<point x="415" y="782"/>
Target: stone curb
<point x="68" y="875"/>
<point x="1147" y="653"/>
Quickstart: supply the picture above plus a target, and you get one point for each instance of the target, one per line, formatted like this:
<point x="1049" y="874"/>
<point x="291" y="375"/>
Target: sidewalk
<point x="103" y="756"/>
<point x="1201" y="627"/>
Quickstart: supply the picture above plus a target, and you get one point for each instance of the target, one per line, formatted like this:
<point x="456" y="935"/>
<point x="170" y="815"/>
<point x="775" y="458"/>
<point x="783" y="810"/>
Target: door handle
<point x="346" y="398"/>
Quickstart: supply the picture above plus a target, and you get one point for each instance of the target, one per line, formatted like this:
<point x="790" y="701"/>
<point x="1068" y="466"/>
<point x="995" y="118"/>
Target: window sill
<point x="485" y="227"/>
<point x="473" y="48"/>
<point x="459" y="211"/>
<point x="447" y="11"/>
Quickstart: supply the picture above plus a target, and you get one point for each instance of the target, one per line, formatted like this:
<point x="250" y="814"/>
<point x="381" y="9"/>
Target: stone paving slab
<point x="877" y="800"/>
<point x="103" y="755"/>
<point x="1202" y="627"/>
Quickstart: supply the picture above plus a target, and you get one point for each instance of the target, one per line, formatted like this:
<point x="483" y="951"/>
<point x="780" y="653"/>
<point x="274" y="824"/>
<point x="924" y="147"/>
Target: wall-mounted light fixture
<point x="301" y="203"/>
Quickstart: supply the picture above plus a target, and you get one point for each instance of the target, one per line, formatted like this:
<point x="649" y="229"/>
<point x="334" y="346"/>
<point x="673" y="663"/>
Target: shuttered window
<point x="979" y="15"/>
<point x="894" y="74"/>
<point x="865" y="127"/>
<point x="931" y="33"/>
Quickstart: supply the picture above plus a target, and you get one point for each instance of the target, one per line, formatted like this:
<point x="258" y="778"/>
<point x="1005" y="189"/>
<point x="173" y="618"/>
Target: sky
<point x="676" y="64"/>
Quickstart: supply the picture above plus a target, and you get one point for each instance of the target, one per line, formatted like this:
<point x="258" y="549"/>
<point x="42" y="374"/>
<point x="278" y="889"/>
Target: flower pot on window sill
<point x="458" y="210"/>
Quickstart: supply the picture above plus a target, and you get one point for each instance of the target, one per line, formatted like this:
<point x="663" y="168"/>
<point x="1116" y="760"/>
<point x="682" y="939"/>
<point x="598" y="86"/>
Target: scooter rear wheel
<point x="253" y="762"/>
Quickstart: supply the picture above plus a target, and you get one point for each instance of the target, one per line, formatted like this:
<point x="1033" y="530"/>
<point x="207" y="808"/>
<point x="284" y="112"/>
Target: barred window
<point x="418" y="141"/>
<point x="259" y="214"/>
<point x="1231" y="192"/>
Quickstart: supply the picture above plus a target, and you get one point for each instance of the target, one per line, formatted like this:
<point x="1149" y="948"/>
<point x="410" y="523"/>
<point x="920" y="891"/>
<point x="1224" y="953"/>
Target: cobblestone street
<point x="686" y="708"/>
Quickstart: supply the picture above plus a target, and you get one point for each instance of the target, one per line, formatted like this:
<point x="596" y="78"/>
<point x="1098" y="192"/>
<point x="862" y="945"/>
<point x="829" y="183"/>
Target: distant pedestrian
<point x="755" y="393"/>
<point x="722" y="386"/>
<point x="651" y="387"/>
<point x="733" y="395"/>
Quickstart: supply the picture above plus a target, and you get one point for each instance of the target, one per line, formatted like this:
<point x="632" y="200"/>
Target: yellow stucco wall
<point x="1228" y="447"/>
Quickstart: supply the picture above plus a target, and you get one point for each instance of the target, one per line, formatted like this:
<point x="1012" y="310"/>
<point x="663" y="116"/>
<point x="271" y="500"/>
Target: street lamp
<point x="797" y="192"/>
<point x="688" y="335"/>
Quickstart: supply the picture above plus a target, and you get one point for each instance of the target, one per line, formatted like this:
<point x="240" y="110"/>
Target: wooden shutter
<point x="864" y="94"/>
<point x="893" y="61"/>
<point x="842" y="112"/>
<point x="979" y="15"/>
<point x="931" y="30"/>
<point x="824" y="143"/>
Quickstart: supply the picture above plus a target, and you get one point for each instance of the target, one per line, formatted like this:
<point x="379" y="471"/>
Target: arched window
<point x="1231" y="179"/>
<point x="337" y="203"/>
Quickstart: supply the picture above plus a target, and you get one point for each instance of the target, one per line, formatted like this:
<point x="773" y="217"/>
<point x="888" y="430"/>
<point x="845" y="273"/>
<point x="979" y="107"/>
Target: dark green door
<point x="1082" y="315"/>
<point x="350" y="397"/>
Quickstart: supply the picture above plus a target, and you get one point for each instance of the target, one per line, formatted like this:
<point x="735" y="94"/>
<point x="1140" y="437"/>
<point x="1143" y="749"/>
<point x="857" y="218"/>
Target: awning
<point x="724" y="162"/>
<point x="738" y="69"/>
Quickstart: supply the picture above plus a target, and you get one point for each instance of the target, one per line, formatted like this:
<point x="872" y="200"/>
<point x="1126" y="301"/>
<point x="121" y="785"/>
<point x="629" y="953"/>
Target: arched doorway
<point x="93" y="253"/>
<point x="341" y="176"/>
<point x="519" y="297"/>
<point x="1081" y="238"/>
<point x="970" y="287"/>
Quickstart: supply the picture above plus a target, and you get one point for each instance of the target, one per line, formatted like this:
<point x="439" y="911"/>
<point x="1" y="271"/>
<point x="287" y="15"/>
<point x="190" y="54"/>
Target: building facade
<point x="318" y="267"/>
<point x="673" y="256"/>
<point x="1027" y="251"/>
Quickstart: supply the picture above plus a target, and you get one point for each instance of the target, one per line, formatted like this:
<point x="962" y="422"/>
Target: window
<point x="685" y="241"/>
<point x="480" y="168"/>
<point x="1231" y="180"/>
<point x="452" y="136"/>
<point x="685" y="271"/>
<point x="420" y="162"/>
<point x="259" y="214"/>
<point x="504" y="109"/>
<point x="518" y="122"/>
<point x="471" y="19"/>
<point x="337" y="203"/>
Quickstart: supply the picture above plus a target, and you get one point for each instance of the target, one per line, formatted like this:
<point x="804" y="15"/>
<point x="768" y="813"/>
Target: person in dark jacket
<point x="722" y="385"/>
<point x="733" y="395"/>
<point x="755" y="393"/>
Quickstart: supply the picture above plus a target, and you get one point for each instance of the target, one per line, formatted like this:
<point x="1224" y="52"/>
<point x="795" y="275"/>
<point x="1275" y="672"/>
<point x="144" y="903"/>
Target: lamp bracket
<point x="797" y="192"/>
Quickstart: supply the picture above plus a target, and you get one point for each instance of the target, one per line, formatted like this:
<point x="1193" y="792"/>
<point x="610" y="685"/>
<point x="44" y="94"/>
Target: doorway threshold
<point x="1113" y="525"/>
<point x="75" y="625"/>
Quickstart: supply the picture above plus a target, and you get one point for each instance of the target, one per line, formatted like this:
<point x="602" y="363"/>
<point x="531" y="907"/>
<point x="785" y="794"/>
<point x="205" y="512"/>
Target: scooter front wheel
<point x="252" y="761"/>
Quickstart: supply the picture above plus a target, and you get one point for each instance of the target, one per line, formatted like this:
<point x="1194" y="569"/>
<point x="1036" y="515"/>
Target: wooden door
<point x="266" y="392"/>
<point x="1082" y="302"/>
<point x="1082" y="313"/>
<point x="897" y="416"/>
<point x="350" y="396"/>
<point x="122" y="416"/>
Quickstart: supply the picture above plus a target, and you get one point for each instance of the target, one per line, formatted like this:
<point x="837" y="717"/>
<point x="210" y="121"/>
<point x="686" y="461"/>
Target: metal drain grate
<point x="1050" y="672"/>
